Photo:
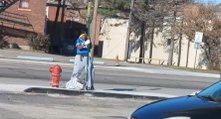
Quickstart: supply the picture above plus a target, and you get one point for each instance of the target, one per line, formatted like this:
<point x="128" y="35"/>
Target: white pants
<point x="77" y="80"/>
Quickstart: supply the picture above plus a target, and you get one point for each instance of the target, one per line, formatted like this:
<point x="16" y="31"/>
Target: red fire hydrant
<point x="55" y="75"/>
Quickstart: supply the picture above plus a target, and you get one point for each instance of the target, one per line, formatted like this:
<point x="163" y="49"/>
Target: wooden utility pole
<point x="88" y="17"/>
<point x="54" y="30"/>
<point x="220" y="57"/>
<point x="128" y="31"/>
<point x="62" y="27"/>
<point x="94" y="26"/>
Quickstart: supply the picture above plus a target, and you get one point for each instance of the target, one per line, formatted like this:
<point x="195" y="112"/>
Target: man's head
<point x="83" y="36"/>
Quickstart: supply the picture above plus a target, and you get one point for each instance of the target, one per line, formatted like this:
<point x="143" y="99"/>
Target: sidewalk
<point x="38" y="56"/>
<point x="17" y="85"/>
<point x="101" y="89"/>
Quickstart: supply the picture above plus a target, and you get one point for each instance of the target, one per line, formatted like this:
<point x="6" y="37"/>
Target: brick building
<point x="19" y="18"/>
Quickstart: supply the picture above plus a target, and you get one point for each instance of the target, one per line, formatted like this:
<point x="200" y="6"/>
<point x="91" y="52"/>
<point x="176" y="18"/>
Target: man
<point x="78" y="76"/>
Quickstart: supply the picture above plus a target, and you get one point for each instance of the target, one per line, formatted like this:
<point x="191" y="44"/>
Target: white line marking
<point x="36" y="58"/>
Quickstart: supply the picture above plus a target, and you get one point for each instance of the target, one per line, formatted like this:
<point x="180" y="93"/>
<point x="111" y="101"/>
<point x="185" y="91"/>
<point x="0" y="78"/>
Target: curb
<point x="49" y="59"/>
<point x="96" y="93"/>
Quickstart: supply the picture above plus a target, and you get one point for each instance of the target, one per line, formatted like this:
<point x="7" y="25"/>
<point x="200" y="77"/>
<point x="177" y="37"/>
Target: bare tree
<point x="147" y="15"/>
<point x="77" y="9"/>
<point x="207" y="20"/>
<point x="173" y="17"/>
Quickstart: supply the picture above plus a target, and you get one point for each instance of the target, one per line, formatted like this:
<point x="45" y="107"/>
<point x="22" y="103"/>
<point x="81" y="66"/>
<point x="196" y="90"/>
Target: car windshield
<point x="212" y="93"/>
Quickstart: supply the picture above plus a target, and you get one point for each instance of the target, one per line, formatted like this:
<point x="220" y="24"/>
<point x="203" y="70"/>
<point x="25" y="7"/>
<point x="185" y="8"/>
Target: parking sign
<point x="198" y="37"/>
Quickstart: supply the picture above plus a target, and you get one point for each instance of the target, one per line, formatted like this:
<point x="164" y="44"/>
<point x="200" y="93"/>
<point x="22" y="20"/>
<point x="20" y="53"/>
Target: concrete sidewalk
<point x="102" y="90"/>
<point x="99" y="92"/>
<point x="38" y="56"/>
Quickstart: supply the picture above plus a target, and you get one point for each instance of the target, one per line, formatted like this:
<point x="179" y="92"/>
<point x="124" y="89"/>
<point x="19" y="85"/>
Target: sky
<point x="214" y="2"/>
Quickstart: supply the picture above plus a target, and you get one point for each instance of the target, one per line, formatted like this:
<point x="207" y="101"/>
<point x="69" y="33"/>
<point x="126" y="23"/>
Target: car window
<point x="213" y="91"/>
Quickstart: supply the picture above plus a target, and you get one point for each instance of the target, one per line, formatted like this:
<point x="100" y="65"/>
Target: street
<point x="104" y="75"/>
<point x="17" y="75"/>
<point x="37" y="106"/>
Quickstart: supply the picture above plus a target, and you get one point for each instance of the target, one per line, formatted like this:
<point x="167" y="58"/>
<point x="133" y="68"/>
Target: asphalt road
<point x="36" y="106"/>
<point x="104" y="75"/>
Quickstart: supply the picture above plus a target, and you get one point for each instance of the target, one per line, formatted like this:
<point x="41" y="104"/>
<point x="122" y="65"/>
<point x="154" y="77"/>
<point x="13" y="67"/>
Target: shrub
<point x="4" y="44"/>
<point x="15" y="46"/>
<point x="39" y="42"/>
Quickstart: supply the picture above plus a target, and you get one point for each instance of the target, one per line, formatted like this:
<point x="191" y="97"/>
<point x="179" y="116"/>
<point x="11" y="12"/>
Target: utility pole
<point x="88" y="33"/>
<point x="55" y="26"/>
<point x="94" y="26"/>
<point x="88" y="17"/>
<point x="220" y="57"/>
<point x="128" y="31"/>
<point x="62" y="27"/>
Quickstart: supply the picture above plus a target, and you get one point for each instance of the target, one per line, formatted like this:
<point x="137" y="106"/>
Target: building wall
<point x="113" y="35"/>
<point x="36" y="14"/>
<point x="161" y="51"/>
<point x="77" y="16"/>
<point x="133" y="48"/>
<point x="52" y="13"/>
<point x="114" y="38"/>
<point x="34" y="17"/>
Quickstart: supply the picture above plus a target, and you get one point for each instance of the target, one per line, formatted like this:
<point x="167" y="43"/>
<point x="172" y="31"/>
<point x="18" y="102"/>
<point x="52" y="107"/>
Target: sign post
<point x="197" y="41"/>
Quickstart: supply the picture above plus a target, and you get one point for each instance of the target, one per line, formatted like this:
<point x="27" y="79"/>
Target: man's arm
<point x="80" y="46"/>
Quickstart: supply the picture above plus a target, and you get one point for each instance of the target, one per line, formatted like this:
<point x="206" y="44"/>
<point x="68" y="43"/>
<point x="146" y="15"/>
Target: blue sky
<point x="215" y="2"/>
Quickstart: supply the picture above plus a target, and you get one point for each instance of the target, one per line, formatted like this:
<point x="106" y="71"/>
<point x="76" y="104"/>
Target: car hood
<point x="188" y="106"/>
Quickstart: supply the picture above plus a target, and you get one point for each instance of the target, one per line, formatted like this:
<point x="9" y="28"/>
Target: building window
<point x="2" y="4"/>
<point x="168" y="41"/>
<point x="24" y="4"/>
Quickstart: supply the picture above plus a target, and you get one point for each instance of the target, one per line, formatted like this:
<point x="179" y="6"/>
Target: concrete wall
<point x="161" y="51"/>
<point x="113" y="34"/>
<point x="114" y="37"/>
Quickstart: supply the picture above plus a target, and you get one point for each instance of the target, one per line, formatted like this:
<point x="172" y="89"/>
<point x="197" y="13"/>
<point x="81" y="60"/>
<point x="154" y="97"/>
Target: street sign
<point x="198" y="37"/>
<point x="197" y="41"/>
<point x="197" y="45"/>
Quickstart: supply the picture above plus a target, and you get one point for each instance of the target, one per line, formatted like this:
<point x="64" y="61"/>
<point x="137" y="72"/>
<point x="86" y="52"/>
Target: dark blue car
<point x="203" y="105"/>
